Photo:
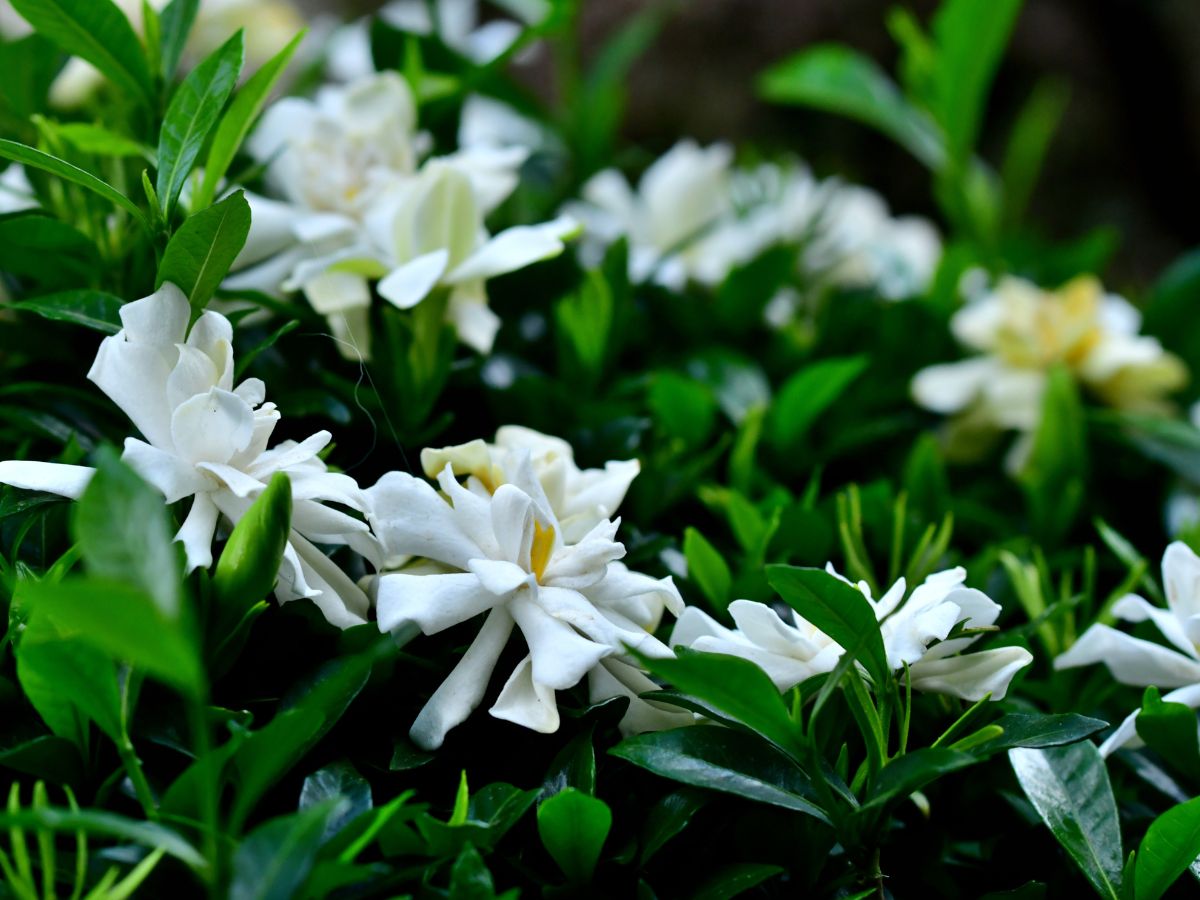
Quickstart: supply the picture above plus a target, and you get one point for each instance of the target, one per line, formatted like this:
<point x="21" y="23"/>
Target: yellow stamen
<point x="539" y="553"/>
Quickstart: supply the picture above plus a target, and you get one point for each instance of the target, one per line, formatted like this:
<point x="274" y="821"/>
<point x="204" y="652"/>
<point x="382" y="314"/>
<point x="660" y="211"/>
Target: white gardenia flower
<point x="499" y="553"/>
<point x="1019" y="332"/>
<point x="1142" y="663"/>
<point x="206" y="438"/>
<point x="682" y="195"/>
<point x="431" y="232"/>
<point x="580" y="498"/>
<point x="914" y="631"/>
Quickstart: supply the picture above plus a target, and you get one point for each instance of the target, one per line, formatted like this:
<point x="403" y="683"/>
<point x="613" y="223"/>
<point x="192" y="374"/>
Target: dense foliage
<point x="398" y="500"/>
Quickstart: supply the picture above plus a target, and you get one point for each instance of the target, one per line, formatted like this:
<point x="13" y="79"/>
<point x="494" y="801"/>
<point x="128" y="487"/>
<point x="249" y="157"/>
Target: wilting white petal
<point x="457" y="696"/>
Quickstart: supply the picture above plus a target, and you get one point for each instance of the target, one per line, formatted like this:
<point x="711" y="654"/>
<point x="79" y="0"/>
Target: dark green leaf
<point x="683" y="407"/>
<point x="191" y="116"/>
<point x="274" y="860"/>
<point x="668" y="817"/>
<point x="28" y="156"/>
<point x="177" y="19"/>
<point x="1035" y="730"/>
<point x="732" y="880"/>
<point x="1069" y="788"/>
<point x="68" y="682"/>
<point x="1170" y="729"/>
<point x="340" y="782"/>
<point x="736" y="687"/>
<point x="91" y="309"/>
<point x="722" y="759"/>
<point x="837" y="609"/>
<point x="95" y="30"/>
<point x="201" y="252"/>
<point x="913" y="771"/>
<point x="1054" y="475"/>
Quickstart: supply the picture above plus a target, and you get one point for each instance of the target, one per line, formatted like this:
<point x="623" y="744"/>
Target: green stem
<point x="210" y="792"/>
<point x="129" y="757"/>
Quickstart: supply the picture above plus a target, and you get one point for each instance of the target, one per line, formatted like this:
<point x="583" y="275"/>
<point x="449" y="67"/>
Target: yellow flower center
<point x="539" y="553"/>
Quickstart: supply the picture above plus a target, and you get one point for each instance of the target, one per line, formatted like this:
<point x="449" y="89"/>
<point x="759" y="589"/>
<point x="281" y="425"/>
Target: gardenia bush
<point x="410" y="488"/>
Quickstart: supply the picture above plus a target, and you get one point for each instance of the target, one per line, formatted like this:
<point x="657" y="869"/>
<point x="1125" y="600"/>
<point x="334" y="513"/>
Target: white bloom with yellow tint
<point x="496" y="550"/>
<point x="430" y="231"/>
<point x="1144" y="663"/>
<point x="680" y="197"/>
<point x="915" y="630"/>
<point x="580" y="498"/>
<point x="1020" y="332"/>
<point x="205" y="438"/>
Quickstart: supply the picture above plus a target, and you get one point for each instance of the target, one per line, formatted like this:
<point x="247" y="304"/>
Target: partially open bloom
<point x="915" y="633"/>
<point x="355" y="209"/>
<point x="206" y="438"/>
<point x="1020" y="332"/>
<point x="684" y="193"/>
<point x="432" y="237"/>
<point x="496" y="549"/>
<point x="580" y="498"/>
<point x="1143" y="663"/>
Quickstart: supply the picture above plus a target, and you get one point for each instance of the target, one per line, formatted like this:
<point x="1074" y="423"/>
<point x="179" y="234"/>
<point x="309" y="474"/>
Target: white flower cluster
<point x="694" y="217"/>
<point x="515" y="535"/>
<point x="1020" y="331"/>
<point x="915" y="631"/>
<point x="353" y="206"/>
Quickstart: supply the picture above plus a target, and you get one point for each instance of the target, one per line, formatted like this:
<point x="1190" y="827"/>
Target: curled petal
<point x="971" y="675"/>
<point x="457" y="696"/>
<point x="524" y="702"/>
<point x="196" y="533"/>
<point x="1130" y="660"/>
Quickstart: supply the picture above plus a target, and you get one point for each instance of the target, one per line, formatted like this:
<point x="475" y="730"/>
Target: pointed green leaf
<point x="28" y="156"/>
<point x="1171" y="845"/>
<point x="202" y="250"/>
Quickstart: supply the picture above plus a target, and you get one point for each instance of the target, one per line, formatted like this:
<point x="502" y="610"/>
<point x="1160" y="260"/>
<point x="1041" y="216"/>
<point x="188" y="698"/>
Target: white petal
<point x="412" y="520"/>
<point x="614" y="678"/>
<point x="408" y="285"/>
<point x="166" y="471"/>
<point x="950" y="387"/>
<point x="474" y="322"/>
<point x="514" y="248"/>
<point x="212" y="427"/>
<point x="290" y="454"/>
<point x="971" y="675"/>
<point x="433" y="602"/>
<point x="270" y="230"/>
<point x="1133" y="608"/>
<point x="1130" y="660"/>
<point x="53" y="478"/>
<point x="561" y="656"/>
<point x="1126" y="733"/>
<point x="196" y="533"/>
<point x="340" y="600"/>
<point x="1181" y="582"/>
<point x="523" y="701"/>
<point x="457" y="696"/>
<point x="500" y="578"/>
<point x="238" y="482"/>
<point x="336" y="292"/>
<point x="693" y="624"/>
<point x="512" y="522"/>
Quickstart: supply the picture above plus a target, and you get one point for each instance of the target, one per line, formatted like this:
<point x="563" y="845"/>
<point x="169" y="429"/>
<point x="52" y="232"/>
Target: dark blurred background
<point x="1127" y="154"/>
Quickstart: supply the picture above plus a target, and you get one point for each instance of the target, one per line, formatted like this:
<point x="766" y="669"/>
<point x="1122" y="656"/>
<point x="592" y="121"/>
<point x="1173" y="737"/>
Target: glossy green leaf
<point x="1171" y="845"/>
<point x="191" y="116"/>
<point x="91" y="309"/>
<point x="69" y="682"/>
<point x="274" y="860"/>
<point x="341" y="783"/>
<point x="734" y="880"/>
<point x="202" y="251"/>
<point x="238" y="120"/>
<point x="913" y="771"/>
<point x="97" y="31"/>
<point x="573" y="827"/>
<point x="668" y="817"/>
<point x="722" y="759"/>
<point x="839" y="80"/>
<point x="1069" y="788"/>
<point x="1036" y="730"/>
<point x="734" y="686"/>
<point x="837" y="609"/>
<point x="1171" y="730"/>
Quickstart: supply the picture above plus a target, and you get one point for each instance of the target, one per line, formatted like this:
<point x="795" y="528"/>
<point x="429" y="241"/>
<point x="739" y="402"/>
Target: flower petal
<point x="1130" y="660"/>
<point x="514" y="248"/>
<point x="433" y="602"/>
<point x="196" y="533"/>
<point x="411" y="283"/>
<point x="524" y="702"/>
<point x="166" y="471"/>
<point x="412" y="520"/>
<point x="971" y="675"/>
<point x="53" y="478"/>
<point x="457" y="696"/>
<point x="561" y="656"/>
<point x="212" y="427"/>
